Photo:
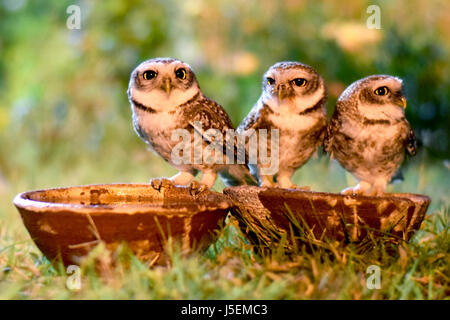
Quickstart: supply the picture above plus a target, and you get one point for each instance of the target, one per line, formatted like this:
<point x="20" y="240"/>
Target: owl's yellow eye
<point x="381" y="91"/>
<point x="300" y="82"/>
<point x="181" y="74"/>
<point x="150" y="74"/>
<point x="270" y="81"/>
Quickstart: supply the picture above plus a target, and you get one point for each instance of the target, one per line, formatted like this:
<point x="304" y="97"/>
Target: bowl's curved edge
<point x="249" y="208"/>
<point x="233" y="191"/>
<point x="49" y="227"/>
<point x="217" y="200"/>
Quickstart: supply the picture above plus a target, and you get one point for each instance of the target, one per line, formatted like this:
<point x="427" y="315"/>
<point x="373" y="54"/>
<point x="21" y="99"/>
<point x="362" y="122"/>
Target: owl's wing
<point x="207" y="114"/>
<point x="411" y="142"/>
<point x="138" y="129"/>
<point x="410" y="148"/>
<point x="332" y="128"/>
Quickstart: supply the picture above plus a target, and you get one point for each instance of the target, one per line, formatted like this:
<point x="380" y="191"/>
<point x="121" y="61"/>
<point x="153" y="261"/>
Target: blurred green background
<point x="64" y="114"/>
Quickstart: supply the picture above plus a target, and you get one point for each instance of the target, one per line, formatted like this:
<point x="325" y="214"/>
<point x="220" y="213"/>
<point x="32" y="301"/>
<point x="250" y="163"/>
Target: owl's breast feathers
<point x="300" y="134"/>
<point x="262" y="117"/>
<point x="358" y="142"/>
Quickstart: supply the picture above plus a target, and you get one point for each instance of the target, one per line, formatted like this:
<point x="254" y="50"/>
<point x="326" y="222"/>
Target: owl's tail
<point x="238" y="175"/>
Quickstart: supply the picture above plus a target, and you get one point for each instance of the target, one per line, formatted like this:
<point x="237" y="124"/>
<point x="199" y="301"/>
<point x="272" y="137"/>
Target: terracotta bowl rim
<point x="213" y="201"/>
<point x="389" y="196"/>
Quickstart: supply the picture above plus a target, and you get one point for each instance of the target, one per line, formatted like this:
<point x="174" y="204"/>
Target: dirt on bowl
<point x="266" y="214"/>
<point x="67" y="223"/>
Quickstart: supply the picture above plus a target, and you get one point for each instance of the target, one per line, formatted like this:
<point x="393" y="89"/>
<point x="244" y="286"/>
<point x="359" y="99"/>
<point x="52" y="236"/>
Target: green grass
<point x="230" y="269"/>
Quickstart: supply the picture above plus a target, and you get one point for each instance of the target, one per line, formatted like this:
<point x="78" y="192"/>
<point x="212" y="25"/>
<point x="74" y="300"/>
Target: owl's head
<point x="162" y="83"/>
<point x="293" y="82"/>
<point x="380" y="95"/>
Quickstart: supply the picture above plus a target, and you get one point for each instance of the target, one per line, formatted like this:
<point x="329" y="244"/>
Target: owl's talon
<point x="268" y="182"/>
<point x="166" y="183"/>
<point x="349" y="191"/>
<point x="194" y="185"/>
<point x="378" y="189"/>
<point x="158" y="183"/>
<point x="375" y="192"/>
<point x="354" y="191"/>
<point x="195" y="188"/>
<point x="361" y="189"/>
<point x="296" y="187"/>
<point x="289" y="186"/>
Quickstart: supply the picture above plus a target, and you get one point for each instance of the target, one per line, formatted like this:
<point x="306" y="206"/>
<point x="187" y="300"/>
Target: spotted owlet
<point x="293" y="101"/>
<point x="369" y="134"/>
<point x="165" y="96"/>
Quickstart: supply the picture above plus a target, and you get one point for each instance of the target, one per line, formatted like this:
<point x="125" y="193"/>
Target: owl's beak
<point x="167" y="85"/>
<point x="283" y="92"/>
<point x="402" y="102"/>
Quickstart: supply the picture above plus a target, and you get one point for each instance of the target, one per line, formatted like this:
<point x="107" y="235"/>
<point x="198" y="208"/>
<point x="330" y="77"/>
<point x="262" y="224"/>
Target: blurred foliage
<point x="62" y="92"/>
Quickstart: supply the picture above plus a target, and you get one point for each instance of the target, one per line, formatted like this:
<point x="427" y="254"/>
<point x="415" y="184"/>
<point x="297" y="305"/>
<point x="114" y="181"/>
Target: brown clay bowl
<point x="68" y="223"/>
<point x="265" y="214"/>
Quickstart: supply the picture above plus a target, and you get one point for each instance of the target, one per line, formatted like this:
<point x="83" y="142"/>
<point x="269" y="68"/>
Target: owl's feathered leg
<point x="284" y="179"/>
<point x="266" y="181"/>
<point x="207" y="181"/>
<point x="182" y="178"/>
<point x="208" y="178"/>
<point x="379" y="187"/>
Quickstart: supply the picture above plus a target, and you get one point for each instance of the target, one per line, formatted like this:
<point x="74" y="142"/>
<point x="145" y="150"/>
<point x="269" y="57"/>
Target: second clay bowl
<point x="266" y="214"/>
